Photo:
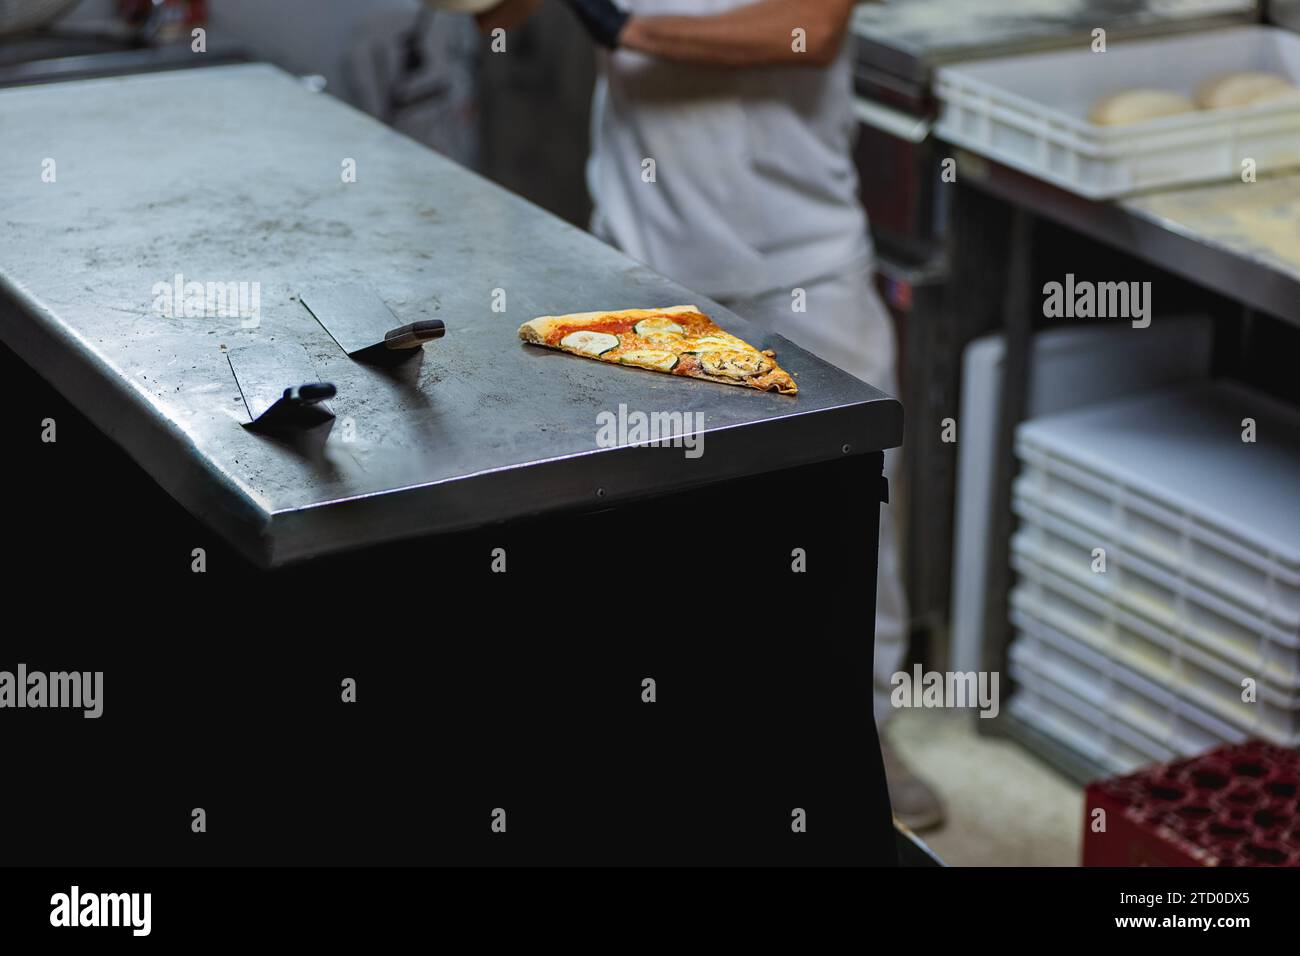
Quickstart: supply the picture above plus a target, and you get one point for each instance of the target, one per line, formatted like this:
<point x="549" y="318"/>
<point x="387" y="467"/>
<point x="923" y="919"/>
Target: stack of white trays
<point x="1157" y="603"/>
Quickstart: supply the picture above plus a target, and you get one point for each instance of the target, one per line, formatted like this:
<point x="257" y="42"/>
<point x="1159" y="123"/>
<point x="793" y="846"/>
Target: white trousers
<point x="845" y="323"/>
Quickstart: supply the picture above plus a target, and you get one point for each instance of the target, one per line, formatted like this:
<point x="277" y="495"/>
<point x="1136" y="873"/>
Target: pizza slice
<point x="679" y="339"/>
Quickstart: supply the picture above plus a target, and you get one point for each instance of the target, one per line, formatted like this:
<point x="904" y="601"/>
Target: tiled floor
<point x="1005" y="807"/>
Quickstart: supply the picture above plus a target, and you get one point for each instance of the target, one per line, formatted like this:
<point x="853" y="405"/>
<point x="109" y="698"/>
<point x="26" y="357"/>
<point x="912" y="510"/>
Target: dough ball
<point x="1242" y="89"/>
<point x="1136" y="105"/>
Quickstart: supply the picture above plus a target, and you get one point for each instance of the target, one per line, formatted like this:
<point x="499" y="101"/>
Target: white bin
<point x="1165" y="595"/>
<point x="1180" y="667"/>
<point x="1116" y="693"/>
<point x="1166" y="476"/>
<point x="1030" y="112"/>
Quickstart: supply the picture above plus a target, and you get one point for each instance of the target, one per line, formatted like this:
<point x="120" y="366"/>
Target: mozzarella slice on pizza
<point x="679" y="340"/>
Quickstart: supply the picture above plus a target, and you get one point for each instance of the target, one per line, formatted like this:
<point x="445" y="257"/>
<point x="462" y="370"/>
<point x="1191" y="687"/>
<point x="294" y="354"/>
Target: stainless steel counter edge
<point x="129" y="419"/>
<point x="626" y="474"/>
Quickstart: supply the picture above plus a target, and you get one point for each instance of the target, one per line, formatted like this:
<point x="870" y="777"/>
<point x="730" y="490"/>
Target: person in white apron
<point x="721" y="135"/>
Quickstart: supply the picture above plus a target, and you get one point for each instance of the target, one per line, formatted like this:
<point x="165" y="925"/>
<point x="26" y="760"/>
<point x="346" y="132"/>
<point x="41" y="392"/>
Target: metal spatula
<point x="278" y="386"/>
<point x="364" y="327"/>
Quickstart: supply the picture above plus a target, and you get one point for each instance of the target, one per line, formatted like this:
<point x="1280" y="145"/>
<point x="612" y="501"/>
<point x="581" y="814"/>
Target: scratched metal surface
<point x="233" y="174"/>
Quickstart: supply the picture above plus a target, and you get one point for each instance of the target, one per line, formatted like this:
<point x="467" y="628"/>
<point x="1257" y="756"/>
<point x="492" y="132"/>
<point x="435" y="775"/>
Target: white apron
<point x="754" y="195"/>
<point x="754" y="185"/>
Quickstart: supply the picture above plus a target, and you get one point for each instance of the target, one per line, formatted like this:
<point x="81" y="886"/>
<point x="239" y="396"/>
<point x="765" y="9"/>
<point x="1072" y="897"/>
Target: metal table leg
<point x="1018" y="327"/>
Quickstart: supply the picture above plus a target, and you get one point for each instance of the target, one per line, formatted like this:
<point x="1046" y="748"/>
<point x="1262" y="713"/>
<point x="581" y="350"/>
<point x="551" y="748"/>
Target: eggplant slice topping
<point x="590" y="343"/>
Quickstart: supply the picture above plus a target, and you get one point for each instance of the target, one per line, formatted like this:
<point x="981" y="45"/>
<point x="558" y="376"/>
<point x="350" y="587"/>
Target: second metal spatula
<point x="278" y="386"/>
<point x="364" y="327"/>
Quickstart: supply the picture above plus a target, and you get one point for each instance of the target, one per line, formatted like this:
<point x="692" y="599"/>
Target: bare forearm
<point x="764" y="33"/>
<point x="506" y="15"/>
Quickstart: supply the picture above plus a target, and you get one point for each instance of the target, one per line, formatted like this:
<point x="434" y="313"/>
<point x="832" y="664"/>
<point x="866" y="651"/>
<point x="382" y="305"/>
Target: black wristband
<point x="603" y="20"/>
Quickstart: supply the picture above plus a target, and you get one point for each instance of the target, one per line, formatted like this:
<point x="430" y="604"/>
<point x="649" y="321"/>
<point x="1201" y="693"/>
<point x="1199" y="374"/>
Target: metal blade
<point x="263" y="370"/>
<point x="354" y="315"/>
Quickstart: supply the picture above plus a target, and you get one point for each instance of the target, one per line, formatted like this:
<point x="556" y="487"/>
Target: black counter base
<point x="482" y="697"/>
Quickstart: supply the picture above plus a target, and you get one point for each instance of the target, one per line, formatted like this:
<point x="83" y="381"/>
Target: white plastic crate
<point x="1046" y="593"/>
<point x="1172" y="601"/>
<point x="1030" y="112"/>
<point x="1168" y="477"/>
<point x="1070" y="718"/>
<point x="1265" y="587"/>
<point x="1074" y="366"/>
<point x="1116" y="692"/>
<point x="1048" y="710"/>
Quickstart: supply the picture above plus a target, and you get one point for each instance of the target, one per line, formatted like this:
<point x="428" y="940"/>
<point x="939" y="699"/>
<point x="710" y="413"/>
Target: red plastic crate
<point x="1238" y="805"/>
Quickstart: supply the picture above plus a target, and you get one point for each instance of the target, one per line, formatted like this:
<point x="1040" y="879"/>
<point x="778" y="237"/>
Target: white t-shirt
<point x="754" y="186"/>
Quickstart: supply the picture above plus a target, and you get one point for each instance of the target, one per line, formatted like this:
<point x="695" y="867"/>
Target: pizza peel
<point x="278" y="386"/>
<point x="364" y="327"/>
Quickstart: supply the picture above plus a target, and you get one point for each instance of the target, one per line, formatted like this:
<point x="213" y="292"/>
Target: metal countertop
<point x="1239" y="239"/>
<point x="232" y="174"/>
<point x="907" y="39"/>
<point x="1253" y="223"/>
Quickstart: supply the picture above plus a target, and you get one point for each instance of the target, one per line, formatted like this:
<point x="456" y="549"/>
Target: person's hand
<point x="603" y="20"/>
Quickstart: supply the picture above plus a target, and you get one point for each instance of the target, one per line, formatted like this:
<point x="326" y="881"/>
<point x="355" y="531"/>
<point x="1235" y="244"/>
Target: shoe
<point x="916" y="804"/>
